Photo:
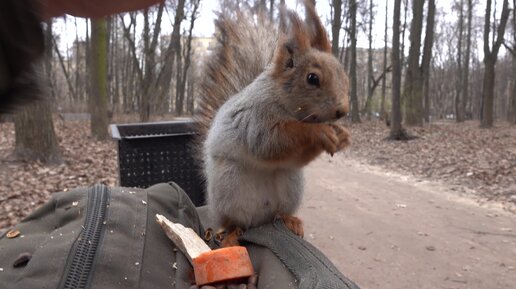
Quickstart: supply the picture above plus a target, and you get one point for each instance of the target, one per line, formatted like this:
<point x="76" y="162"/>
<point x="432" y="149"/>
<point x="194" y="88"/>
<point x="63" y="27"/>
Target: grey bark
<point x="512" y="111"/>
<point x="490" y="58"/>
<point x="98" y="77"/>
<point x="79" y="85"/>
<point x="467" y="56"/>
<point x="404" y="29"/>
<point x="64" y="69"/>
<point x="397" y="132"/>
<point x="355" y="113"/>
<point x="459" y="114"/>
<point x="165" y="75"/>
<point x="35" y="137"/>
<point x="336" y="25"/>
<point x="344" y="52"/>
<point x="427" y="57"/>
<point x="183" y="68"/>
<point x="271" y="11"/>
<point x="384" y="80"/>
<point x="48" y="59"/>
<point x="413" y="86"/>
<point x="149" y="78"/>
<point x="370" y="76"/>
<point x="512" y="50"/>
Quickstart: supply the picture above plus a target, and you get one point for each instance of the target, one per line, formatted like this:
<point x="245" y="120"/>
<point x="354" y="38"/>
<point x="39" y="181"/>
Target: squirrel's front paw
<point x="328" y="138"/>
<point x="343" y="136"/>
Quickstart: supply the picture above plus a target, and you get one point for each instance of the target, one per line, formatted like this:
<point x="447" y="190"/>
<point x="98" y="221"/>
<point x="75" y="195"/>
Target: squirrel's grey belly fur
<point x="249" y="196"/>
<point x="242" y="188"/>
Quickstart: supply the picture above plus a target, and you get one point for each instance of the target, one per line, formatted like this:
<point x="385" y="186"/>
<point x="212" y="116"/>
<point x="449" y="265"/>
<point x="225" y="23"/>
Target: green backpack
<point x="102" y="237"/>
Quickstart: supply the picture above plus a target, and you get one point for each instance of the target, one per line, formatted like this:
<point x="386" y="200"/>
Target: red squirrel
<point x="267" y="108"/>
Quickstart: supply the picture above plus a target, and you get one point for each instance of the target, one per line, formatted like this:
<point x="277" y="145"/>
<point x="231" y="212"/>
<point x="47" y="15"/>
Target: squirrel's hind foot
<point x="231" y="238"/>
<point x="294" y="224"/>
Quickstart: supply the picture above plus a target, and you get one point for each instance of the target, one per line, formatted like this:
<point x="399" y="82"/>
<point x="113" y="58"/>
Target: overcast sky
<point x="204" y="25"/>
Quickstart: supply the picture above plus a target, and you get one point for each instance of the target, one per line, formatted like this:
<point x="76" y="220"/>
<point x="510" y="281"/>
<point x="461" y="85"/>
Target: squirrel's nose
<point x="340" y="113"/>
<point x="342" y="109"/>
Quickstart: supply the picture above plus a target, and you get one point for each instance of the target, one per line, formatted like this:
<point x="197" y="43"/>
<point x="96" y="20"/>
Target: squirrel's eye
<point x="312" y="79"/>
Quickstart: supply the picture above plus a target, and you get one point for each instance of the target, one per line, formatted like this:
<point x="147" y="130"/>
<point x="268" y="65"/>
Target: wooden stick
<point x="184" y="238"/>
<point x="215" y="266"/>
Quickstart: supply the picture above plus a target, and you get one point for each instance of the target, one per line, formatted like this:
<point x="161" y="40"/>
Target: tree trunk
<point x="459" y="117"/>
<point x="63" y="68"/>
<point x="179" y="81"/>
<point x="79" y="85"/>
<point x="134" y="73"/>
<point x="404" y="28"/>
<point x="384" y="80"/>
<point x="413" y="88"/>
<point x="336" y="25"/>
<point x="149" y="79"/>
<point x="512" y="110"/>
<point x="490" y="58"/>
<point x="35" y="135"/>
<point x="116" y="67"/>
<point x="99" y="89"/>
<point x="370" y="77"/>
<point x="355" y="113"/>
<point x="488" y="92"/>
<point x="467" y="56"/>
<point x="427" y="57"/>
<point x="48" y="59"/>
<point x="148" y="74"/>
<point x="87" y="61"/>
<point x="262" y="7"/>
<point x="512" y="115"/>
<point x="397" y="132"/>
<point x="271" y="11"/>
<point x="165" y="75"/>
<point x="190" y="91"/>
<point x="183" y="67"/>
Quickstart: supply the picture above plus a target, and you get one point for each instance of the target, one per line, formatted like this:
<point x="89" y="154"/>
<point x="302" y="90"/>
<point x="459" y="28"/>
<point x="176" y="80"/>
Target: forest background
<point x="438" y="75"/>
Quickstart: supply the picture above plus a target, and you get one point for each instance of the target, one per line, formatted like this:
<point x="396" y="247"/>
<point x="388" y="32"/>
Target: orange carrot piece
<point x="222" y="265"/>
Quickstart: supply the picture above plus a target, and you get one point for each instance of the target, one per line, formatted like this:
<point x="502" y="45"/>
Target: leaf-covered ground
<point x="26" y="185"/>
<point x="474" y="161"/>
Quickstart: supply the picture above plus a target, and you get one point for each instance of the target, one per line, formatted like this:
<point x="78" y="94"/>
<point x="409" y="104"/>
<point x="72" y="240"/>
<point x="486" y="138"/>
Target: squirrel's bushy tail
<point x="245" y="46"/>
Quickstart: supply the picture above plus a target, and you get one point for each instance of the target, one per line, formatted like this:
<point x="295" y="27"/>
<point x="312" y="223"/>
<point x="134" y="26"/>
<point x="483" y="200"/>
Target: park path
<point x="390" y="231"/>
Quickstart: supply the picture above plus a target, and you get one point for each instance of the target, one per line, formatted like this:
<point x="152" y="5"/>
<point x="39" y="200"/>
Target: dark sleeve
<point x="21" y="45"/>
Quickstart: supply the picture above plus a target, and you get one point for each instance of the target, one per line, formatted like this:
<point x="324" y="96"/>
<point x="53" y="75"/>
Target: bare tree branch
<point x="132" y="45"/>
<point x="65" y="71"/>
<point x="511" y="49"/>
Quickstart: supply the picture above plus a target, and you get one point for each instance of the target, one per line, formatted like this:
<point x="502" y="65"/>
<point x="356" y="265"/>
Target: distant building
<point x="203" y="46"/>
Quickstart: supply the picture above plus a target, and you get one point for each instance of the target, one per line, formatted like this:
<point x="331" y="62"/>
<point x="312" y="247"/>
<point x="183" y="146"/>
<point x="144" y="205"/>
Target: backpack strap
<point x="310" y="267"/>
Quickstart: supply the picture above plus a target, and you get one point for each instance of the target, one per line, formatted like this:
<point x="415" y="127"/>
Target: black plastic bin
<point x="156" y="152"/>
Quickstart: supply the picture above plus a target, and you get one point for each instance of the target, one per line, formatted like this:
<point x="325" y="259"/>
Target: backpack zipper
<point x="80" y="261"/>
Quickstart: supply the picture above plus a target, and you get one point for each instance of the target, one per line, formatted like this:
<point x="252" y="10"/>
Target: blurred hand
<point x="91" y="8"/>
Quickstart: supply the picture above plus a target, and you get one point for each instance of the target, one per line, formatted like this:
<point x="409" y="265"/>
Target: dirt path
<point x="387" y="231"/>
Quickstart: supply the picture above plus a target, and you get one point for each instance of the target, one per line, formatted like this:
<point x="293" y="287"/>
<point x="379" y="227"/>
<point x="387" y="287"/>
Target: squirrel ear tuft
<point x="294" y="41"/>
<point x="318" y="36"/>
<point x="296" y="32"/>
